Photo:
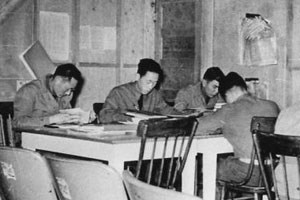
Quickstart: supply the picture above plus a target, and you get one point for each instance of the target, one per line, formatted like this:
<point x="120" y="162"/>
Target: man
<point x="41" y="102"/>
<point x="234" y="120"/>
<point x="203" y="95"/>
<point x="288" y="124"/>
<point x="140" y="95"/>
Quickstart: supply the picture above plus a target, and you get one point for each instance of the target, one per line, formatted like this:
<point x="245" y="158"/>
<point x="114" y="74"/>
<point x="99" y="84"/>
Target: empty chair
<point x="258" y="124"/>
<point x="169" y="167"/>
<point x="86" y="179"/>
<point x="139" y="190"/>
<point x="269" y="147"/>
<point x="24" y="174"/>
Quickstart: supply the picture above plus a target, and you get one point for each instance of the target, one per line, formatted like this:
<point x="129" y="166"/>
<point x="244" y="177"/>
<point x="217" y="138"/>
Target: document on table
<point x="86" y="128"/>
<point x="138" y="116"/>
<point x="95" y="129"/>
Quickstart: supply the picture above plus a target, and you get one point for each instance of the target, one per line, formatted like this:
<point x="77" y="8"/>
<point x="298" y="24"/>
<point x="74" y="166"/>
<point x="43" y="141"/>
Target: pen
<point x="50" y="126"/>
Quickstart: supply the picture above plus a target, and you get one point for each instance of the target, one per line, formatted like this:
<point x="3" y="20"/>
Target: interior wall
<point x="17" y="33"/>
<point x="222" y="25"/>
<point x="135" y="39"/>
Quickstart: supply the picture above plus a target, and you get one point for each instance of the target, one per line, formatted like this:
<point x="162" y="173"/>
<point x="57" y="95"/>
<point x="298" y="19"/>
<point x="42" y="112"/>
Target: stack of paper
<point x="87" y="128"/>
<point x="138" y="116"/>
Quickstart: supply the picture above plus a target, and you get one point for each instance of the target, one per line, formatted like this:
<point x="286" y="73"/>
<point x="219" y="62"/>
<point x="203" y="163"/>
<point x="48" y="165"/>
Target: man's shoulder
<point x="124" y="86"/>
<point x="248" y="101"/>
<point x="268" y="102"/>
<point x="32" y="85"/>
<point x="191" y="88"/>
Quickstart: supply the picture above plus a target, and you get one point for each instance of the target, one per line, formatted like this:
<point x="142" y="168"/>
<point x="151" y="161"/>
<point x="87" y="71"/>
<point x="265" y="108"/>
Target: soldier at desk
<point x="44" y="101"/>
<point x="204" y="94"/>
<point x="234" y="120"/>
<point x="140" y="95"/>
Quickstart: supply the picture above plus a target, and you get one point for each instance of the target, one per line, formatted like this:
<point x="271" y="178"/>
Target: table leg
<point x="209" y="176"/>
<point x="117" y="164"/>
<point x="188" y="174"/>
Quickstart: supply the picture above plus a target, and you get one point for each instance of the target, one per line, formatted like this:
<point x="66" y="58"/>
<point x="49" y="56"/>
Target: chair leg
<point x="223" y="193"/>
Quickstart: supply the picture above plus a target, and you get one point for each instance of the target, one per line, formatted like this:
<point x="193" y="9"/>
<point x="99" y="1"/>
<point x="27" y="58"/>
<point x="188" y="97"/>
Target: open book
<point x="137" y="116"/>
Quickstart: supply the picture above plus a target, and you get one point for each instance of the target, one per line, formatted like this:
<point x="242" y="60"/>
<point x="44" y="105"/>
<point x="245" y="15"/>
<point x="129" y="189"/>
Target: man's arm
<point x="182" y="100"/>
<point x="111" y="111"/>
<point x="23" y="108"/>
<point x="162" y="107"/>
<point x="213" y="122"/>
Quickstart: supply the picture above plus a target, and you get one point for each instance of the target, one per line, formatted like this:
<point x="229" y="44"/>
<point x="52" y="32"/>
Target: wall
<point x="221" y="19"/>
<point x="135" y="40"/>
<point x="16" y="27"/>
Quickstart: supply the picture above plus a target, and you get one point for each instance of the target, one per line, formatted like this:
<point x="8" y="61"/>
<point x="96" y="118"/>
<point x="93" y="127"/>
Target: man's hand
<point x="63" y="118"/>
<point x="120" y="117"/>
<point x="84" y="116"/>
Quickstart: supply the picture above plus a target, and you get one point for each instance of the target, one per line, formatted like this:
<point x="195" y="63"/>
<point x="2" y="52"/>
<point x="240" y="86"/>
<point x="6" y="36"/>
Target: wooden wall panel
<point x="227" y="16"/>
<point x="132" y="27"/>
<point x="17" y="33"/>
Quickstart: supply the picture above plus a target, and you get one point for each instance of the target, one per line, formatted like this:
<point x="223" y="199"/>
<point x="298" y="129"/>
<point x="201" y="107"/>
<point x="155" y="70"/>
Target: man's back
<point x="234" y="119"/>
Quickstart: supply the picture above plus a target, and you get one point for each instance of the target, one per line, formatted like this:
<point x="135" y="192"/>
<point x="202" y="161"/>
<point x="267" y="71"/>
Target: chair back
<point x="86" y="179"/>
<point x="24" y="174"/>
<point x="138" y="190"/>
<point x="268" y="147"/>
<point x="172" y="131"/>
<point x="263" y="124"/>
<point x="259" y="124"/>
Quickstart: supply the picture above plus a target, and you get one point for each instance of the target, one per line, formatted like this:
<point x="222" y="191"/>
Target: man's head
<point x="211" y="81"/>
<point x="150" y="74"/>
<point x="233" y="87"/>
<point x="65" y="79"/>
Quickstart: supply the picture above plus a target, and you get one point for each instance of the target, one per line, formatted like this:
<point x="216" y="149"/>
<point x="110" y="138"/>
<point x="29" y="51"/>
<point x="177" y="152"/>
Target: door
<point x="177" y="45"/>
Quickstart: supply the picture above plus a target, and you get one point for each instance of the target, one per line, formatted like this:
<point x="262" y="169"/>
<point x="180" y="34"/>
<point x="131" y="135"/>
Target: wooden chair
<point x="269" y="147"/>
<point x="97" y="107"/>
<point x="169" y="130"/>
<point x="2" y="133"/>
<point x="139" y="190"/>
<point x="24" y="174"/>
<point x="86" y="179"/>
<point x="6" y="132"/>
<point x="258" y="124"/>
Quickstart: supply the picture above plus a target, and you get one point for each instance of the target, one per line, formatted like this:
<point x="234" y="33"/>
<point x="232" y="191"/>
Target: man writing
<point x="203" y="95"/>
<point x="44" y="101"/>
<point x="234" y="120"/>
<point x="141" y="95"/>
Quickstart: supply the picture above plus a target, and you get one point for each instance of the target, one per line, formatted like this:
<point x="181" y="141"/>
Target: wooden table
<point x="120" y="147"/>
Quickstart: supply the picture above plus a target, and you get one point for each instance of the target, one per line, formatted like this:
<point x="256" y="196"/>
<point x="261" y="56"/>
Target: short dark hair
<point x="230" y="80"/>
<point x="213" y="73"/>
<point x="148" y="64"/>
<point x="69" y="71"/>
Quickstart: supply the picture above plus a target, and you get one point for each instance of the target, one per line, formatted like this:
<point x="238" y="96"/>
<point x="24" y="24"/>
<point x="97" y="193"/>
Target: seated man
<point x="139" y="95"/>
<point x="288" y="124"/>
<point x="203" y="95"/>
<point x="41" y="102"/>
<point x="234" y="120"/>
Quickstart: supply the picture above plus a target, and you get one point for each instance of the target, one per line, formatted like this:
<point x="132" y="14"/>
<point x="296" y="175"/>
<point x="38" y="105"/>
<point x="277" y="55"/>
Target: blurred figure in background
<point x="204" y="94"/>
